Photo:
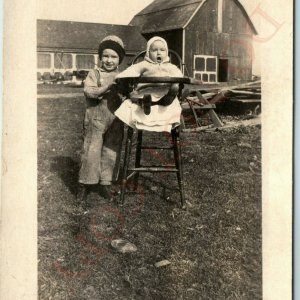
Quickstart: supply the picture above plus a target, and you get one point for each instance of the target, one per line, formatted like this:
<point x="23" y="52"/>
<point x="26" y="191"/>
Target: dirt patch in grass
<point x="214" y="246"/>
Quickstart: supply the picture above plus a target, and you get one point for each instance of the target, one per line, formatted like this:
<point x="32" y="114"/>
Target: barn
<point x="213" y="37"/>
<point x="64" y="46"/>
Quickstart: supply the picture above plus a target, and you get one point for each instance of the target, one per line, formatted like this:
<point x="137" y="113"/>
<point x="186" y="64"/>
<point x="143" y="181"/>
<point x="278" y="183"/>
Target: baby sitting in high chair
<point x="162" y="111"/>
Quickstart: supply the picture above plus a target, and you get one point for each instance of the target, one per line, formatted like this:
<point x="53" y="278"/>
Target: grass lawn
<point x="214" y="246"/>
<point x="58" y="89"/>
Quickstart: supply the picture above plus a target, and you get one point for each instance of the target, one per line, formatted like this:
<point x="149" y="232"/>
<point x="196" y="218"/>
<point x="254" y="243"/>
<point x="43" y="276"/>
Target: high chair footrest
<point x="154" y="169"/>
<point x="206" y="106"/>
<point x="131" y="175"/>
<point x="157" y="148"/>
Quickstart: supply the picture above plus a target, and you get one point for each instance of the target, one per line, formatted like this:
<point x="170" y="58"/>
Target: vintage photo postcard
<point x="147" y="149"/>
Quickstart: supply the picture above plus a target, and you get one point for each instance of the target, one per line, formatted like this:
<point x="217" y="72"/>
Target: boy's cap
<point x="112" y="42"/>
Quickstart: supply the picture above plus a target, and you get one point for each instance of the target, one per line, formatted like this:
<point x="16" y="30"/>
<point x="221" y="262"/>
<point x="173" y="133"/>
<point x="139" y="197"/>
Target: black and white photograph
<point x="154" y="162"/>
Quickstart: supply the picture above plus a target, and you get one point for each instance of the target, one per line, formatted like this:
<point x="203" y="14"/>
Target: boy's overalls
<point x="103" y="132"/>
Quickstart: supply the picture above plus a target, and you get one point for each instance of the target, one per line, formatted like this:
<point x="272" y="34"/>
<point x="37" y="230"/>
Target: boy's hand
<point x="110" y="82"/>
<point x="123" y="87"/>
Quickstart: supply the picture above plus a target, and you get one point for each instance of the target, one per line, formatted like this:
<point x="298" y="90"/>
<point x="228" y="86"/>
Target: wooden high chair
<point x="175" y="147"/>
<point x="130" y="172"/>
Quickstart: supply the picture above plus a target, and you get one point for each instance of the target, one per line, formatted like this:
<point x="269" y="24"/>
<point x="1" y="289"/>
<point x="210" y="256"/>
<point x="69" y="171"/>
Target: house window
<point x="206" y="68"/>
<point x="44" y="60"/>
<point x="63" y="61"/>
<point x="85" y="61"/>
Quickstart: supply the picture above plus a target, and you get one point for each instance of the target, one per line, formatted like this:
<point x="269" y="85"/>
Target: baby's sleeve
<point x="135" y="70"/>
<point x="175" y="71"/>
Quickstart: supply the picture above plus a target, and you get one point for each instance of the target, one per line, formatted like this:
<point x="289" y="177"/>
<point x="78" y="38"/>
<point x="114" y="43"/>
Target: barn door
<point x="223" y="70"/>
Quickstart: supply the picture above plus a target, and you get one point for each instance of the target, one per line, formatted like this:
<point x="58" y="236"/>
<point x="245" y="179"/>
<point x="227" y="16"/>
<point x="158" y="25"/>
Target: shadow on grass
<point x="67" y="169"/>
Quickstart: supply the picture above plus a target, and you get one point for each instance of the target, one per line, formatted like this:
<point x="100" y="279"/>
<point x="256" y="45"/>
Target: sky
<point x="102" y="11"/>
<point x="120" y="12"/>
<point x="95" y="11"/>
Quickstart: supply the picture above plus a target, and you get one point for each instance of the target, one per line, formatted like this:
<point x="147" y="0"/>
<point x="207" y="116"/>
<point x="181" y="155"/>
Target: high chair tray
<point x="156" y="79"/>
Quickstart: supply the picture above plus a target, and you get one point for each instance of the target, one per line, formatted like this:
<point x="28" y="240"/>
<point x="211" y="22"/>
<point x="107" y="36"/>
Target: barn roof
<point x="162" y="15"/>
<point x="80" y="36"/>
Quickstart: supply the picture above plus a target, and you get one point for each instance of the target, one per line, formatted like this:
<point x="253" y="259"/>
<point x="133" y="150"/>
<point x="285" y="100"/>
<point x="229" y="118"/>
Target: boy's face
<point x="110" y="60"/>
<point x="158" y="51"/>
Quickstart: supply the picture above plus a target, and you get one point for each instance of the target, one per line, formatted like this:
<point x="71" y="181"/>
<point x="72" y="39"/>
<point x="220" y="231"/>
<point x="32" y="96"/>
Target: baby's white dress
<point x="161" y="118"/>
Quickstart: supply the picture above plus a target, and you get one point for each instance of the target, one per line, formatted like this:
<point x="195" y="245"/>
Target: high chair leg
<point x="138" y="155"/>
<point x="178" y="163"/>
<point x="126" y="163"/>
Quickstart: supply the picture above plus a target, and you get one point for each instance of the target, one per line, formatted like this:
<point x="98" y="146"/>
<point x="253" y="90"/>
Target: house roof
<point x="80" y="36"/>
<point x="161" y="15"/>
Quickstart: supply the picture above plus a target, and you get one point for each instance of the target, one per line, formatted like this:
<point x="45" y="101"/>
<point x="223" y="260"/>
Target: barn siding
<point x="234" y="20"/>
<point x="127" y="61"/>
<point x="206" y="18"/>
<point x="202" y="38"/>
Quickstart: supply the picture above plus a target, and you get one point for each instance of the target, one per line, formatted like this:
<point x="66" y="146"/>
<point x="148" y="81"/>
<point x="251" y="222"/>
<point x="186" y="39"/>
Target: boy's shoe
<point x="107" y="192"/>
<point x="81" y="199"/>
<point x="147" y="104"/>
<point x="82" y="193"/>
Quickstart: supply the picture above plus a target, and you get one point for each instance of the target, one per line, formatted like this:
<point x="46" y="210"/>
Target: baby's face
<point x="110" y="60"/>
<point x="158" y="51"/>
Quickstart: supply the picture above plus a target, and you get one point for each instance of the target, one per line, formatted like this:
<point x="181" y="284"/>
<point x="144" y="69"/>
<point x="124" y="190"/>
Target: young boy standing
<point x="103" y="132"/>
